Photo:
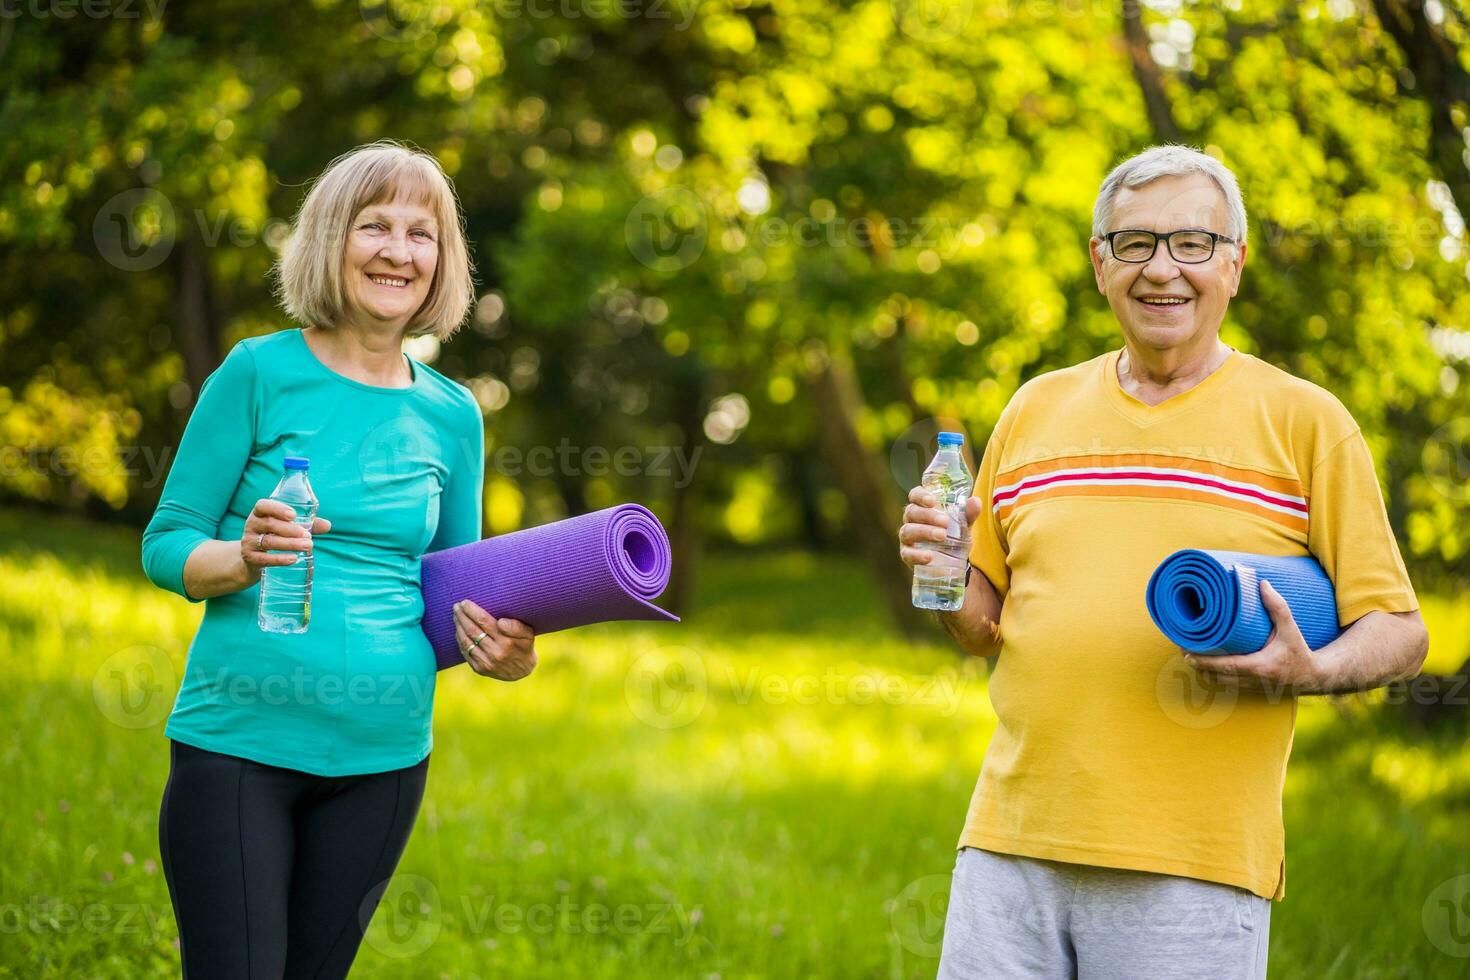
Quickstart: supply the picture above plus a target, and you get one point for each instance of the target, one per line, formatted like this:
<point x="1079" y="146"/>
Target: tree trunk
<point x="1150" y="78"/>
<point x="684" y="537"/>
<point x="196" y="319"/>
<point x="874" y="509"/>
<point x="1441" y="80"/>
<point x="803" y="486"/>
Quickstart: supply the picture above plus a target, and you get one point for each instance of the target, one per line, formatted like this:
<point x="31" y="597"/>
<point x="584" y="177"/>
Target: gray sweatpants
<point x="1019" y="918"/>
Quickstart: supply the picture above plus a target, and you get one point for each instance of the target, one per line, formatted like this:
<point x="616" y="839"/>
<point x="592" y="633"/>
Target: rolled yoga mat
<point x="595" y="568"/>
<point x="1210" y="601"/>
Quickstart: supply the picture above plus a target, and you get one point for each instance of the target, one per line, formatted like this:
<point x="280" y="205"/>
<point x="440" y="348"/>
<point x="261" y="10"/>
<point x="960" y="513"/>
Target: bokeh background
<point x="738" y="261"/>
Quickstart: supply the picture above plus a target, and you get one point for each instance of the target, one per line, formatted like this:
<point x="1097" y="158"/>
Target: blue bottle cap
<point x="951" y="439"/>
<point x="297" y="463"/>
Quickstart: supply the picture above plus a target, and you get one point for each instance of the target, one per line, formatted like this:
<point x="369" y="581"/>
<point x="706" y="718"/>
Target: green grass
<point x="737" y="797"/>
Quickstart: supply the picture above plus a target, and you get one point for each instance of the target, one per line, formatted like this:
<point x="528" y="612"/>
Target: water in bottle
<point x="941" y="583"/>
<point x="285" y="590"/>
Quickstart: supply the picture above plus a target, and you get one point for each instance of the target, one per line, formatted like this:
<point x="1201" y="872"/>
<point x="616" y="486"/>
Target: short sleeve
<point x="460" y="511"/>
<point x="988" y="548"/>
<point x="205" y="471"/>
<point x="1349" y="534"/>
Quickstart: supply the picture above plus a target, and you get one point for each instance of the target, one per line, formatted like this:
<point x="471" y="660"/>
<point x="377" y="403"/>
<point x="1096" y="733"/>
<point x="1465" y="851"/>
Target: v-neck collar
<point x="1142" y="414"/>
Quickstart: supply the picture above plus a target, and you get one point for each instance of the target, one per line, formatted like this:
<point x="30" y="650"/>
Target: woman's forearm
<point x="216" y="568"/>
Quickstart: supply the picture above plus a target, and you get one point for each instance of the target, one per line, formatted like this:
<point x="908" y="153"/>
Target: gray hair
<point x="1170" y="160"/>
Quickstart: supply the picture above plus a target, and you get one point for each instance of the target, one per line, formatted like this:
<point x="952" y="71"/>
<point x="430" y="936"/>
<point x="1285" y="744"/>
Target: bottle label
<point x="956" y="511"/>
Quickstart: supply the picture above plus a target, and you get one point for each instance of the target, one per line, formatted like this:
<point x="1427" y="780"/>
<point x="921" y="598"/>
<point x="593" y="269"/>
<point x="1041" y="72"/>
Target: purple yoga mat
<point x="595" y="568"/>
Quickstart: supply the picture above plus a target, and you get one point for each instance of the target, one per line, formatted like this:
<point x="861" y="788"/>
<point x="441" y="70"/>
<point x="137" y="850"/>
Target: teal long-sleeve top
<point x="399" y="472"/>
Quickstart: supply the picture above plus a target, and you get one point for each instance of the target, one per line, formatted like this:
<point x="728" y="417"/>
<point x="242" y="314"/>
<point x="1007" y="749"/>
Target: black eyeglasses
<point x="1189" y="245"/>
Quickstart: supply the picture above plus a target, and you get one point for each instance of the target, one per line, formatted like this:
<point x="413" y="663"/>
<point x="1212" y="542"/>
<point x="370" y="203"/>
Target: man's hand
<point x="1284" y="663"/>
<point x="976" y="625"/>
<point x="925" y="521"/>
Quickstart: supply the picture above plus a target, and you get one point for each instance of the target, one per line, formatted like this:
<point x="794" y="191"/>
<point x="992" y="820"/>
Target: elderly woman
<point x="298" y="761"/>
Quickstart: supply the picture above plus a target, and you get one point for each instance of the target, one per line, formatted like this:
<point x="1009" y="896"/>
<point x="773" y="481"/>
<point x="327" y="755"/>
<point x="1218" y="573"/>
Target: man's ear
<point x="1094" y="252"/>
<point x="1239" y="263"/>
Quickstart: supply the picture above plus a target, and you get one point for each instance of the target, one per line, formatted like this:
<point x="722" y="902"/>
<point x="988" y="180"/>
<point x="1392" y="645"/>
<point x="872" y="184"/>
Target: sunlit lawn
<point x="748" y="794"/>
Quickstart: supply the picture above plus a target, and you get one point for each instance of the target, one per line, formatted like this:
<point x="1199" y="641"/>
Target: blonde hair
<point x="309" y="273"/>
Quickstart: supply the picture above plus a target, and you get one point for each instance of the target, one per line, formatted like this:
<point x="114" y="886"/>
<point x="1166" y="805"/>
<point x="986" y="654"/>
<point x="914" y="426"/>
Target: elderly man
<point x="1127" y="822"/>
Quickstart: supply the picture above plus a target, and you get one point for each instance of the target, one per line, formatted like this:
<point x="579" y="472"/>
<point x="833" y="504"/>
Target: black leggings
<point x="273" y="872"/>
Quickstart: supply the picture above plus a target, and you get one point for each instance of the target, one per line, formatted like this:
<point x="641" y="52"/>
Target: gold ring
<point x="260" y="543"/>
<point x="476" y="641"/>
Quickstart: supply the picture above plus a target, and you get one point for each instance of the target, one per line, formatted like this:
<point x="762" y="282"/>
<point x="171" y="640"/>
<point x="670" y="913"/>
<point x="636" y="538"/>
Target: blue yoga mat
<point x="1210" y="601"/>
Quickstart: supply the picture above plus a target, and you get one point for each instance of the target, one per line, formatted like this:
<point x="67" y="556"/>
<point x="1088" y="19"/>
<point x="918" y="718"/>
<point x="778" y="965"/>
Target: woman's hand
<point x="501" y="648"/>
<point x="270" y="528"/>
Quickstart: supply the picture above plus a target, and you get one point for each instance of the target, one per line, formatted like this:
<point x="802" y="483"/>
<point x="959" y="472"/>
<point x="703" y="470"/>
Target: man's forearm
<point x="1378" y="649"/>
<point x="976" y="625"/>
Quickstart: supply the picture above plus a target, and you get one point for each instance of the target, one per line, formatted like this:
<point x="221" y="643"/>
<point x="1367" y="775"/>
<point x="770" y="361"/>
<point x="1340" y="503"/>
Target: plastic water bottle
<point x="941" y="583"/>
<point x="285" y="590"/>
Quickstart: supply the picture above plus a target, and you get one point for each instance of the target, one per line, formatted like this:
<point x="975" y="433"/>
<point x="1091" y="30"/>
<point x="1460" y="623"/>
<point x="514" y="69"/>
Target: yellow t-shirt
<point x="1109" y="749"/>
